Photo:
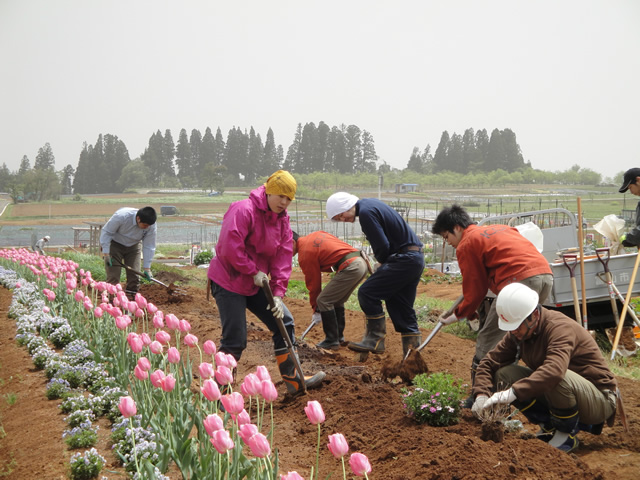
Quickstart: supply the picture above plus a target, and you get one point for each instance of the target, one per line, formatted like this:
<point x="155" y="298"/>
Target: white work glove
<point x="316" y="317"/>
<point x="278" y="308"/>
<point x="258" y="278"/>
<point x="449" y="320"/>
<point x="478" y="405"/>
<point x="505" y="397"/>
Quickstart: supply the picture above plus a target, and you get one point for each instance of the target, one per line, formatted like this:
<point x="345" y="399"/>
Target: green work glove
<point x="147" y="275"/>
<point x="108" y="260"/>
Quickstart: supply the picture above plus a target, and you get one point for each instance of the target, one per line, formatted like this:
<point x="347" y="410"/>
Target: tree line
<point x="211" y="162"/>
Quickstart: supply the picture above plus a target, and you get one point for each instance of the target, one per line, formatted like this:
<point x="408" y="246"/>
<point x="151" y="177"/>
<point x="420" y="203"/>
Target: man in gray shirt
<point x="128" y="232"/>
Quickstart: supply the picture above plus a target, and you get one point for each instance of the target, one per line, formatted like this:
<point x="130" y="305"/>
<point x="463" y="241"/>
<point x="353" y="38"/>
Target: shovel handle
<point x="283" y="331"/>
<point x="140" y="274"/>
<point x="570" y="260"/>
<point x="604" y="259"/>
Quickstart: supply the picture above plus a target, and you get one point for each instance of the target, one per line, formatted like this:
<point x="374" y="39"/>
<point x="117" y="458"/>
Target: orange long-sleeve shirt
<point x="317" y="253"/>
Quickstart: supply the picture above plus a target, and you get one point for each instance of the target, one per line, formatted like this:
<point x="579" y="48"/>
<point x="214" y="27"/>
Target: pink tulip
<point x="46" y="309"/>
<point x="144" y="363"/>
<point x="156" y="378"/>
<point x="140" y="301"/>
<point x="205" y="370"/>
<point x="222" y="359"/>
<point x="156" y="347"/>
<point x="359" y="464"/>
<point x="263" y="373"/>
<point x="291" y="476"/>
<point x="251" y="385"/>
<point x="135" y="342"/>
<point x="314" y="412"/>
<point x="146" y="339"/>
<point x="123" y="322"/>
<point x="115" y="312"/>
<point x="79" y="296"/>
<point x="168" y="383"/>
<point x="210" y="390"/>
<point x="268" y="391"/>
<point x="184" y="326"/>
<point x="231" y="361"/>
<point x="97" y="312"/>
<point x="213" y="423"/>
<point x="190" y="340"/>
<point x="132" y="306"/>
<point x="151" y="308"/>
<point x="158" y="320"/>
<point x="338" y="445"/>
<point x="209" y="347"/>
<point x="224" y="376"/>
<point x="139" y="313"/>
<point x="140" y="373"/>
<point x="243" y="418"/>
<point x="88" y="306"/>
<point x="259" y="445"/>
<point x="173" y="355"/>
<point x="127" y="407"/>
<point x="221" y="440"/>
<point x="172" y="321"/>
<point x="163" y="337"/>
<point x="246" y="431"/>
<point x="233" y="403"/>
<point x="18" y="284"/>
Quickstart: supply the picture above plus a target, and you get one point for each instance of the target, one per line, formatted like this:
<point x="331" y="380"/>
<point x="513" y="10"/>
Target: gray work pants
<point x="342" y="285"/>
<point x="129" y="256"/>
<point x="594" y="406"/>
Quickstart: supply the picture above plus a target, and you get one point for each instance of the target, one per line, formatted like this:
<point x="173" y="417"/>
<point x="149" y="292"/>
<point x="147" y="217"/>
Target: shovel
<point x="308" y="329"/>
<point x="571" y="260"/>
<point x="178" y="291"/>
<point x="437" y="327"/>
<point x="604" y="259"/>
<point x="283" y="331"/>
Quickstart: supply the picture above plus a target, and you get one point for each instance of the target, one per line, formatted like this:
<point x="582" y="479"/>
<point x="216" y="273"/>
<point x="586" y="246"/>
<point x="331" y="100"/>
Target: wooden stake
<point x="625" y="306"/>
<point x="585" y="323"/>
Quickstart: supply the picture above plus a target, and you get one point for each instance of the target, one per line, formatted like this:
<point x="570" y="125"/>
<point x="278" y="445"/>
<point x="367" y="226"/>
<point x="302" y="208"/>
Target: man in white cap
<point x="39" y="246"/>
<point x="399" y="251"/>
<point x="566" y="385"/>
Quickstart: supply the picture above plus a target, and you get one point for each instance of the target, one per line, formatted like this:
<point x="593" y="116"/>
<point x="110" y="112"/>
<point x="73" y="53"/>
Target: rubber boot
<point x="290" y="375"/>
<point x="341" y="324"/>
<point x="330" y="327"/>
<point x="373" y="340"/>
<point x="410" y="340"/>
<point x="565" y="421"/>
<point x="468" y="402"/>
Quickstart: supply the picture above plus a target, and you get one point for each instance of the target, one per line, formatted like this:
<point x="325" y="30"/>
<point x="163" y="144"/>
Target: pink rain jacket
<point x="252" y="239"/>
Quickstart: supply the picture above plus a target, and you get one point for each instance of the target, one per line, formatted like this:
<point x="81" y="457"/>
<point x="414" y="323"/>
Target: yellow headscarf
<point x="281" y="183"/>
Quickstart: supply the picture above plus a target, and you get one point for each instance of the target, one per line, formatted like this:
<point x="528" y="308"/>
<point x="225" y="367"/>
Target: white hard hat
<point x="47" y="238"/>
<point x="515" y="302"/>
<point x="339" y="203"/>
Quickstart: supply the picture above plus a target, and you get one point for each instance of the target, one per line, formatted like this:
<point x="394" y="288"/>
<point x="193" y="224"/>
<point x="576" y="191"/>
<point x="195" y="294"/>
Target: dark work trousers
<point x="233" y="317"/>
<point x="394" y="282"/>
<point x="129" y="256"/>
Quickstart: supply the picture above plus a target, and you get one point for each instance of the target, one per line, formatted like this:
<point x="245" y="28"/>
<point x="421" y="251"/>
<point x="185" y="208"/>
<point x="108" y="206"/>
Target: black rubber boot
<point x="373" y="340"/>
<point x="291" y="377"/>
<point x="565" y="421"/>
<point x="537" y="412"/>
<point x="341" y="324"/>
<point x="330" y="327"/>
<point x="410" y="340"/>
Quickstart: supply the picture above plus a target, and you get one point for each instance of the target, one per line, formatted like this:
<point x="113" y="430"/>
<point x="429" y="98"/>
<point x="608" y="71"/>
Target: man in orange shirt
<point x="322" y="252"/>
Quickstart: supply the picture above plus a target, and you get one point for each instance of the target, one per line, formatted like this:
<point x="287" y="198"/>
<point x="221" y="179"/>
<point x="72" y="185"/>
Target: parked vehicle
<point x="168" y="210"/>
<point x="560" y="235"/>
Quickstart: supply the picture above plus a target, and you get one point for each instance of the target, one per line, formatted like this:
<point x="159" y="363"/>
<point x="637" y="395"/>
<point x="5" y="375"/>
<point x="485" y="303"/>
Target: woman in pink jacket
<point x="255" y="242"/>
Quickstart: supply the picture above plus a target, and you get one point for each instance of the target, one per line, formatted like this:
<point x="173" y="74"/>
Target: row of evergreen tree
<point x="210" y="162"/>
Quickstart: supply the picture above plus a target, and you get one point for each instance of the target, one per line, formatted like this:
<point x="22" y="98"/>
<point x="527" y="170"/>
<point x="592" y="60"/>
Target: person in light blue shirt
<point x="128" y="233"/>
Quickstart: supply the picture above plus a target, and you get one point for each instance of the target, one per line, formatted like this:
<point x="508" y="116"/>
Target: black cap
<point x="629" y="178"/>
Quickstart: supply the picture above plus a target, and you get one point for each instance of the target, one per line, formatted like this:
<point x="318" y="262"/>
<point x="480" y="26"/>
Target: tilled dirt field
<point x="357" y="400"/>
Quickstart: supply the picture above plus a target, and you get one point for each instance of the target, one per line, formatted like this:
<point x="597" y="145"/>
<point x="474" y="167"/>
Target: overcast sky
<point x="563" y="75"/>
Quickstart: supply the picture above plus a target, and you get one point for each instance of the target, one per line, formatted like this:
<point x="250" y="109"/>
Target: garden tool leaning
<point x="171" y="288"/>
<point x="603" y="255"/>
<point x="571" y="260"/>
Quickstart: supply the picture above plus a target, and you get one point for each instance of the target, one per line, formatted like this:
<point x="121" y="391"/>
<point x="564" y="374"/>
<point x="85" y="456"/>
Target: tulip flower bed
<point x="357" y="421"/>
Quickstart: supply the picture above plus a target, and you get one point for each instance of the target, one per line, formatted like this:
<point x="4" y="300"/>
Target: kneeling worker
<point x="566" y="385"/>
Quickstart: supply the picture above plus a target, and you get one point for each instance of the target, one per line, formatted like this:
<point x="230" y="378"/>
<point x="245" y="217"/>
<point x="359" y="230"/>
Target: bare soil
<point x="359" y="401"/>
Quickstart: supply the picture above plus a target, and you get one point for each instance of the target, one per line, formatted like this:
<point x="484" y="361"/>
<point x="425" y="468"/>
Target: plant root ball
<point x="493" y="431"/>
<point x="407" y="369"/>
